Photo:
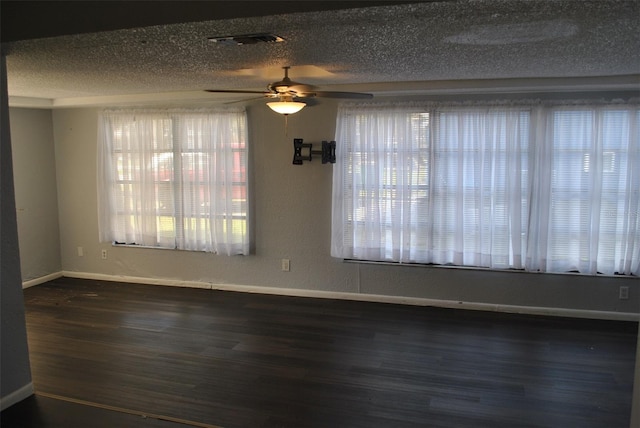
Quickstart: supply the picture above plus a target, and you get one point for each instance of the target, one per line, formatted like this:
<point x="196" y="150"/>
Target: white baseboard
<point x="137" y="279"/>
<point x="41" y="280"/>
<point x="16" y="396"/>
<point x="377" y="298"/>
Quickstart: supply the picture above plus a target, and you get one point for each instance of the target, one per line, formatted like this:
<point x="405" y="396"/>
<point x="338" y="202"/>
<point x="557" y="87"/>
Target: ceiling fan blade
<point x="233" y="91"/>
<point x="352" y="95"/>
<point x="286" y="89"/>
<point x="245" y="100"/>
<point x="301" y="87"/>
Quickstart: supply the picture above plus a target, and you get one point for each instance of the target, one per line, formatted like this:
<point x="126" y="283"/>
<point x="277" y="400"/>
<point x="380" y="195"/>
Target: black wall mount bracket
<point x="328" y="152"/>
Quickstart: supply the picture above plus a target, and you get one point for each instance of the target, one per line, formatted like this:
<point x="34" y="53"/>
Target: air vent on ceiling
<point x="247" y="39"/>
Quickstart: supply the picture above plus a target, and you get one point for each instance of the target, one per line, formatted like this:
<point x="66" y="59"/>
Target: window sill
<point x="117" y="244"/>
<point x="478" y="268"/>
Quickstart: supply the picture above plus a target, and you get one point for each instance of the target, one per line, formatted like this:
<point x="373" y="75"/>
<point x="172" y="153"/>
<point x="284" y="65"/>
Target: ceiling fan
<point x="288" y="92"/>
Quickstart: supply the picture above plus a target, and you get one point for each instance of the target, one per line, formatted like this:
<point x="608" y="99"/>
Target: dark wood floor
<point x="246" y="360"/>
<point x="46" y="412"/>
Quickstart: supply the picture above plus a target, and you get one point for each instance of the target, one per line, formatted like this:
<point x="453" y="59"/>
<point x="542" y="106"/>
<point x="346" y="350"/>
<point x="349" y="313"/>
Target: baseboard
<point x="376" y="298"/>
<point x="16" y="396"/>
<point x="137" y="279"/>
<point x="41" y="280"/>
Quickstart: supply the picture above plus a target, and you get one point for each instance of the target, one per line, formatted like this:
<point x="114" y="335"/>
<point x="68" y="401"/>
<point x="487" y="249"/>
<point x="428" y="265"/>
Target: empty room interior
<point x="320" y="214"/>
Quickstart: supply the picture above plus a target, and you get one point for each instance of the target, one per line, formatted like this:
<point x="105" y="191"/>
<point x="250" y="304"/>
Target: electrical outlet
<point x="624" y="292"/>
<point x="80" y="252"/>
<point x="104" y="254"/>
<point x="285" y="265"/>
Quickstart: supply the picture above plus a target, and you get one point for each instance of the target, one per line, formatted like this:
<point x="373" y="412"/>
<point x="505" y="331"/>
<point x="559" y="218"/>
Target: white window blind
<point x="174" y="179"/>
<point x="550" y="189"/>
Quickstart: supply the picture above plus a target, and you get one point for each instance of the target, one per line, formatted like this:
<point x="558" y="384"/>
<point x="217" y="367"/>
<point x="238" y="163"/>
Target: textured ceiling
<point x="412" y="46"/>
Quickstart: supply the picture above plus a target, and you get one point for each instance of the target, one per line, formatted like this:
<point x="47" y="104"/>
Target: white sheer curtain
<point x="479" y="186"/>
<point x="380" y="199"/>
<point x="535" y="187"/>
<point x="586" y="191"/>
<point x="418" y="187"/>
<point x="174" y="179"/>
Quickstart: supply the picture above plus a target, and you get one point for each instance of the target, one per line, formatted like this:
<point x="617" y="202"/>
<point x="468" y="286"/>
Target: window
<point x="594" y="209"/>
<point x="520" y="187"/>
<point x="174" y="179"/>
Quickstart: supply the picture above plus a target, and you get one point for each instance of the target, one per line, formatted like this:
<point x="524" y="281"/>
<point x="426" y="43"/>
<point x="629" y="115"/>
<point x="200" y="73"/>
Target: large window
<point x="174" y="179"/>
<point x="541" y="188"/>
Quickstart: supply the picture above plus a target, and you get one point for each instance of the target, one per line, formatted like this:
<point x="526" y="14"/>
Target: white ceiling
<point x="465" y="45"/>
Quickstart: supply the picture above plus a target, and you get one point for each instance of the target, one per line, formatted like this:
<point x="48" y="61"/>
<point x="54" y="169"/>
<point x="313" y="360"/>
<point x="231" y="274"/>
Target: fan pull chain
<point x="286" y="125"/>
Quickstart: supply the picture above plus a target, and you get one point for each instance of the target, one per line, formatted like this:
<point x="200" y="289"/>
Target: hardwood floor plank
<point x="250" y="360"/>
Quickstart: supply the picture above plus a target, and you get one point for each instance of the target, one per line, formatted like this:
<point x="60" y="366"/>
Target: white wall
<point x="291" y="210"/>
<point x="36" y="192"/>
<point x="15" y="372"/>
<point x="291" y="219"/>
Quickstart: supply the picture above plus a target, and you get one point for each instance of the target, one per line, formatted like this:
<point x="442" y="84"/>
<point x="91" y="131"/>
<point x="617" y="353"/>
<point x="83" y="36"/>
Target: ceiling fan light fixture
<point x="286" y="107"/>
